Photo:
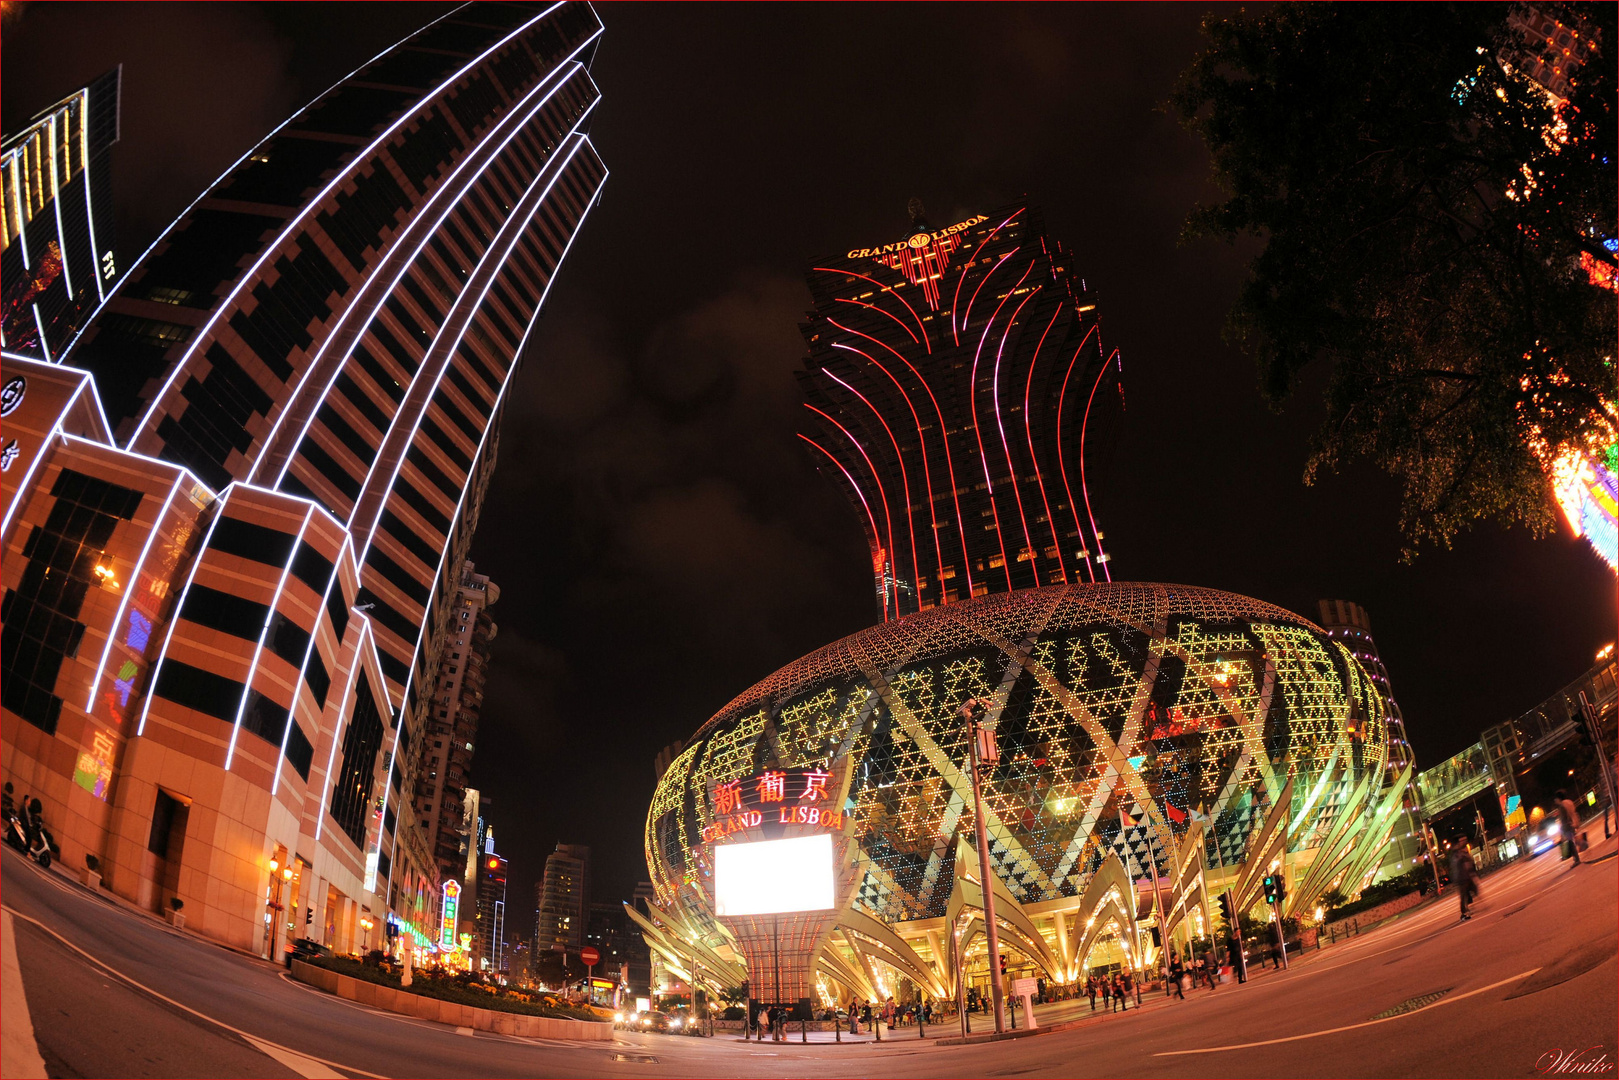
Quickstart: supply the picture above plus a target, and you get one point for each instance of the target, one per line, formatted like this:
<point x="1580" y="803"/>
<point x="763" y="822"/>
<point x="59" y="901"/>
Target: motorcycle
<point x="36" y="841"/>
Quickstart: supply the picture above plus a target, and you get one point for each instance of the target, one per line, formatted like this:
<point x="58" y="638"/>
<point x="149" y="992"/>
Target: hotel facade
<point x="237" y="510"/>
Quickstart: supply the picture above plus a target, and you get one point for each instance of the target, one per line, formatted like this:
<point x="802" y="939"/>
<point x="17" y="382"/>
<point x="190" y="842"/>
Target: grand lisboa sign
<point x="1158" y="744"/>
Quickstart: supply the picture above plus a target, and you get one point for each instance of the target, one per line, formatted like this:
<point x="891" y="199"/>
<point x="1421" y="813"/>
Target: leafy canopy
<point x="1424" y="209"/>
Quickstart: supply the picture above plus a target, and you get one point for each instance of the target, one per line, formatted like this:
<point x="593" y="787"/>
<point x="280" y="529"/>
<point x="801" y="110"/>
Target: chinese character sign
<point x="773" y="798"/>
<point x="452" y="905"/>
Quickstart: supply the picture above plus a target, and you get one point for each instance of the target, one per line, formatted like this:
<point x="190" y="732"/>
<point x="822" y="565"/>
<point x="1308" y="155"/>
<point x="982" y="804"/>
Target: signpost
<point x="1026" y="989"/>
<point x="591" y="956"/>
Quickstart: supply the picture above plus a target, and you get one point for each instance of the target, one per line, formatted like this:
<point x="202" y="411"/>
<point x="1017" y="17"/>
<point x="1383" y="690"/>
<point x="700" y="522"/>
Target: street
<point x="113" y="993"/>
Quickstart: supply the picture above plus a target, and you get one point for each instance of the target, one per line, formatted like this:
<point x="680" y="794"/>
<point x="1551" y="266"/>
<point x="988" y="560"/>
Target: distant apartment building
<point x="451" y="733"/>
<point x="564" y="900"/>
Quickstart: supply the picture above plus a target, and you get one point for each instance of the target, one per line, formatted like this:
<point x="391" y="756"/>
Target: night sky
<point x="660" y="539"/>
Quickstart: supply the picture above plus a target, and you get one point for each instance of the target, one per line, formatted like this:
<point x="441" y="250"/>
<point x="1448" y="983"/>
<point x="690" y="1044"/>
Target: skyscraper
<point x="452" y="725"/>
<point x="564" y="900"/>
<point x="230" y="581"/>
<point x="950" y="382"/>
<point x="56" y="253"/>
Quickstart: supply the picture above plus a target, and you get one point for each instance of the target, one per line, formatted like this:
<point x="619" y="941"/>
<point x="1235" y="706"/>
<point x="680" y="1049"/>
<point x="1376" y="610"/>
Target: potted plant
<point x="176" y="916"/>
<point x="92" y="872"/>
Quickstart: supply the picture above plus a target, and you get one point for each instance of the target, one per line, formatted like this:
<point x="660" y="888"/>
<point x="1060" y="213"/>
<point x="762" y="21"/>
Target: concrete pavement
<point x="1531" y="976"/>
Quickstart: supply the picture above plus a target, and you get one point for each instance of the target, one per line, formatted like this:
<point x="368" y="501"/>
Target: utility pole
<point x="972" y="713"/>
<point x="1588" y="713"/>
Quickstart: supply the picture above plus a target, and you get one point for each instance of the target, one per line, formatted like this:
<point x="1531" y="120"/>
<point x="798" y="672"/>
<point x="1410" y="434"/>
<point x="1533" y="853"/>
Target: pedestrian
<point x="1570" y="820"/>
<point x="1107" y="994"/>
<point x="854" y="1018"/>
<point x="865" y="1014"/>
<point x="1090" y="988"/>
<point x="1176" y="973"/>
<point x="8" y="806"/>
<point x="1460" y="860"/>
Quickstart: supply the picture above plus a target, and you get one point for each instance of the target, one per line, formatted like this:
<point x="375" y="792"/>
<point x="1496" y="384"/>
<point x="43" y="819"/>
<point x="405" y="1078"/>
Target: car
<point x="652" y="1020"/>
<point x="305" y="949"/>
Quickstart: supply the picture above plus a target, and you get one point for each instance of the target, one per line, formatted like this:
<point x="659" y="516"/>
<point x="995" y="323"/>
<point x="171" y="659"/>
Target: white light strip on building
<point x="328" y="784"/>
<point x="516" y="233"/>
<point x="309" y="651"/>
<point x="129" y="590"/>
<point x="22" y="489"/>
<point x="299" y="220"/>
<point x="179" y="606"/>
<point x="358" y="160"/>
<point x="258" y="651"/>
<point x="456" y="200"/>
<point x="583" y="140"/>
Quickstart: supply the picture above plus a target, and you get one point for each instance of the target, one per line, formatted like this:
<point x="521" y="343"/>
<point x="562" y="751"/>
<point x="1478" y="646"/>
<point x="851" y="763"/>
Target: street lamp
<point x="972" y="714"/>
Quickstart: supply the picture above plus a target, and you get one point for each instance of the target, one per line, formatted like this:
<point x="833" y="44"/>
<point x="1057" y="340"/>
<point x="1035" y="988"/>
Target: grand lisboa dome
<point x="1128" y="718"/>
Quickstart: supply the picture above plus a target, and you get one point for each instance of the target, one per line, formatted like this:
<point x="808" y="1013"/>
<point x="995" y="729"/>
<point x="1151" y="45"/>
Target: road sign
<point x="1025" y="986"/>
<point x="590" y="956"/>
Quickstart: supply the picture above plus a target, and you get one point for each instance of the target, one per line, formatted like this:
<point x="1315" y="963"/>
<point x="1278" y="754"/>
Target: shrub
<point x="457" y="988"/>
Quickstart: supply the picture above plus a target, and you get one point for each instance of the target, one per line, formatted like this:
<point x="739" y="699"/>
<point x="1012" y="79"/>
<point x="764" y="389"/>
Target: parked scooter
<point x="27" y="833"/>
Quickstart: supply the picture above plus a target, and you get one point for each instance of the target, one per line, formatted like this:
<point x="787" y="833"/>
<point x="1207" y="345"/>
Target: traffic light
<point x="1281" y="888"/>
<point x="1228" y="909"/>
<point x="1271" y="895"/>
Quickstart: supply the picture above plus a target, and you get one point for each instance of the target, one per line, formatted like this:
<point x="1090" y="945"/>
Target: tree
<point x="1437" y="232"/>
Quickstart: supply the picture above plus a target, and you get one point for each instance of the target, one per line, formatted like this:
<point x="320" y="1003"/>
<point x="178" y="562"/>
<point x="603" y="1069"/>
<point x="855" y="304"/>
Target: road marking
<point x="1347" y="1027"/>
<point x="179" y="1005"/>
<point x="19" y="1053"/>
<point x="303" y="1066"/>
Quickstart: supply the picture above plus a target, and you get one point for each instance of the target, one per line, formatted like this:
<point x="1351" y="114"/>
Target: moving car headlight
<point x="675" y="1022"/>
<point x="618" y="1018"/>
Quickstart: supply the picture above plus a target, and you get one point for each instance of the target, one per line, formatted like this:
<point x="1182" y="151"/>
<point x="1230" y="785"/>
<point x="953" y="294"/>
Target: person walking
<point x="1569" y="818"/>
<point x="854" y="1018"/>
<point x="1090" y="988"/>
<point x="1118" y="994"/>
<point x="1107" y="994"/>
<point x="1176" y="971"/>
<point x="1460" y="876"/>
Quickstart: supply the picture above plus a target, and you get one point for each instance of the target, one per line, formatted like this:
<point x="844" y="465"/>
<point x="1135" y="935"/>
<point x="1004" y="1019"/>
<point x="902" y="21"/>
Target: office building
<point x="56" y="235"/>
<point x="237" y="513"/>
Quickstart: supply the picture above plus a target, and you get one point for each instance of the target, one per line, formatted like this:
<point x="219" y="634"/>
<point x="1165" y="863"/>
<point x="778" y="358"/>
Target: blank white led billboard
<point x="774" y="876"/>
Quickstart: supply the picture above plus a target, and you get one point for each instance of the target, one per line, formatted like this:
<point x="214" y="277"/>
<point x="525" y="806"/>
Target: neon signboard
<point x="452" y="911"/>
<point x="773" y="798"/>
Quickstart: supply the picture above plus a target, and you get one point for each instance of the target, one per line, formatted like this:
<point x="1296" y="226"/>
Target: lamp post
<point x="972" y="713"/>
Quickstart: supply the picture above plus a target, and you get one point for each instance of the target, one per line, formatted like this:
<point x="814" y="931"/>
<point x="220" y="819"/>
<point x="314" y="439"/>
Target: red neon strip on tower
<point x="1062" y="462"/>
<point x="1000" y="424"/>
<point x="1083" y="486"/>
<point x="927" y="470"/>
<point x="880" y="311"/>
<point x="874" y="533"/>
<point x="1039" y="473"/>
<point x="881" y="494"/>
<point x="887" y="289"/>
<point x="910" y="526"/>
<point x="956" y="301"/>
<point x="916" y="565"/>
<point x="978" y="430"/>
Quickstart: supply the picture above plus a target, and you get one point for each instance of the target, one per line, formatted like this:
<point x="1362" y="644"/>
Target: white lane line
<point x="303" y="1066"/>
<point x="1347" y="1027"/>
<point x="19" y="1053"/>
<point x="178" y="1005"/>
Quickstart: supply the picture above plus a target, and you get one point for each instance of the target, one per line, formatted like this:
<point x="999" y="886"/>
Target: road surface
<point x="111" y="992"/>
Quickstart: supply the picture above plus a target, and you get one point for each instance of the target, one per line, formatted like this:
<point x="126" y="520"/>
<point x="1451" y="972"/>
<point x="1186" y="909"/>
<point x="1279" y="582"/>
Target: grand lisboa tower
<point x="1157" y="744"/>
